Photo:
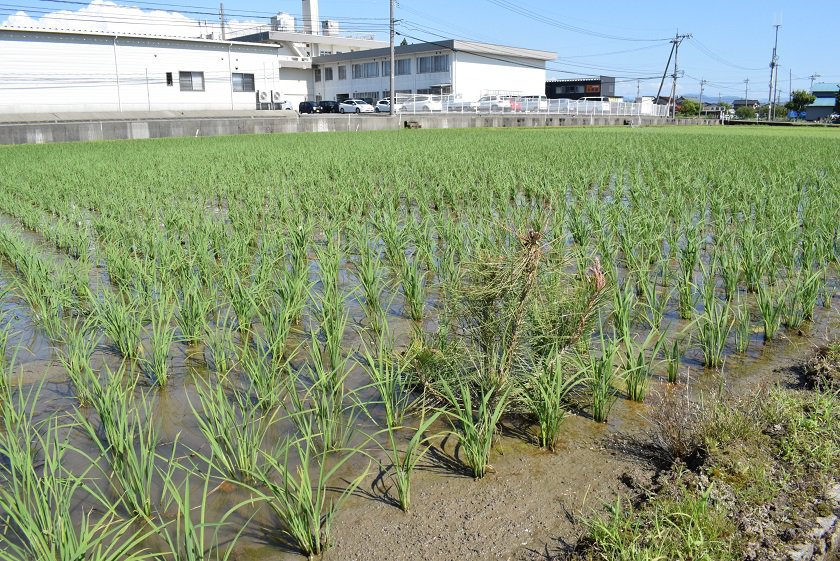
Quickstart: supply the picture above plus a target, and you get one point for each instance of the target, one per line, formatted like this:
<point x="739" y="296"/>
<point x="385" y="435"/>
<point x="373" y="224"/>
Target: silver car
<point x="355" y="106"/>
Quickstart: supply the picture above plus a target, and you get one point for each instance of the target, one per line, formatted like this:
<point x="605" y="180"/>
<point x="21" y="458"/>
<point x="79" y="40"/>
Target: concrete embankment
<point x="40" y="129"/>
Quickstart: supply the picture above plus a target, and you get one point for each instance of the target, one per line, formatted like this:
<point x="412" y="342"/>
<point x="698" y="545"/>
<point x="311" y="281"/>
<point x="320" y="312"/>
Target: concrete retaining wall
<point x="155" y="126"/>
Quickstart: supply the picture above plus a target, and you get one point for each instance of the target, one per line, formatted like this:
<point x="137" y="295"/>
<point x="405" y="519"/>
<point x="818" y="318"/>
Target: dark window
<point x="328" y="74"/>
<point x="342" y="72"/>
<point x="191" y="81"/>
<point x="243" y="82"/>
<point x="317" y="74"/>
<point x="169" y="78"/>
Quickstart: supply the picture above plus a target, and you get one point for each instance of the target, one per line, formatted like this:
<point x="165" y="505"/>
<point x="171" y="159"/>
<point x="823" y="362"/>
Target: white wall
<point x="50" y="72"/>
<point x="469" y="75"/>
<point x="474" y="74"/>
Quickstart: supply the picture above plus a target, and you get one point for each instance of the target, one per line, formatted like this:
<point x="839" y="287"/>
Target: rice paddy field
<point x="210" y="347"/>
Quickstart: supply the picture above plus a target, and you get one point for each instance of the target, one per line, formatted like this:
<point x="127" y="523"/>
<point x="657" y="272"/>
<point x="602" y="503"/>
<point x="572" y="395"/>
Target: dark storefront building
<point x="576" y="88"/>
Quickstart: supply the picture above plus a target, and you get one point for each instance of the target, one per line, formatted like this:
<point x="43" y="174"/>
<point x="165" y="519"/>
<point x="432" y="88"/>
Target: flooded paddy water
<point x="304" y="281"/>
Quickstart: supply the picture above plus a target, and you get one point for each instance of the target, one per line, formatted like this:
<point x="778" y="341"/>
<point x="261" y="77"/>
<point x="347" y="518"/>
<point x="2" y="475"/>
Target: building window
<point x="403" y="67"/>
<point x="328" y="74"/>
<point x="366" y="70"/>
<point x="317" y="74"/>
<point x="386" y="68"/>
<point x="169" y="81"/>
<point x="243" y="82"/>
<point x="429" y="64"/>
<point x="191" y="81"/>
<point x="342" y="72"/>
<point x="370" y="97"/>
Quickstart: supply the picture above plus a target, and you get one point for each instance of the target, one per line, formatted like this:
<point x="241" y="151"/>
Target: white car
<point x="498" y="103"/>
<point x="422" y="103"/>
<point x="355" y="106"/>
<point x="534" y="103"/>
<point x="384" y="106"/>
<point x="460" y="105"/>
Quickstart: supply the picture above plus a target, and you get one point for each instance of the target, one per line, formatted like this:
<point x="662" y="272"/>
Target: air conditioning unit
<point x="263" y="96"/>
<point x="276" y="97"/>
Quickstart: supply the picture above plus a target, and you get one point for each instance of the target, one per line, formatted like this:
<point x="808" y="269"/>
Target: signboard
<point x="593" y="88"/>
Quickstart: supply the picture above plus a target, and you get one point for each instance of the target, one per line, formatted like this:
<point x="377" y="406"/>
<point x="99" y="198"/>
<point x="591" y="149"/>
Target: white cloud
<point x="109" y="17"/>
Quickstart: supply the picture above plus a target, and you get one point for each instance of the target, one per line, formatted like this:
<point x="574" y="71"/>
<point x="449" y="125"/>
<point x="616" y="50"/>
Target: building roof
<point x="295" y="37"/>
<point x="26" y="30"/>
<point x="486" y="49"/>
<point x="576" y="80"/>
<point x="825" y="87"/>
<point x="823" y="102"/>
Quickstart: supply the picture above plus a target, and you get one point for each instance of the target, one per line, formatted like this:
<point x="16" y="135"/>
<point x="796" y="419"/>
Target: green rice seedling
<point x="39" y="500"/>
<point x="413" y="282"/>
<point x="243" y="297"/>
<point x="729" y="263"/>
<point x="756" y="259"/>
<point x="743" y="328"/>
<point x="827" y="291"/>
<point x="714" y="327"/>
<point x="673" y="357"/>
<point x="370" y="274"/>
<point x="222" y="347"/>
<point x="263" y="374"/>
<point x="638" y="364"/>
<point x="476" y="426"/>
<point x="404" y="462"/>
<point x="293" y="290"/>
<point x="235" y="429"/>
<point x="389" y="374"/>
<point x="546" y="396"/>
<point x="623" y="303"/>
<point x="193" y="309"/>
<point x="771" y="306"/>
<point x="163" y="334"/>
<point x="46" y="303"/>
<point x="276" y="320"/>
<point x="599" y="373"/>
<point x="197" y="540"/>
<point x="128" y="438"/>
<point x="685" y="291"/>
<point x="122" y="319"/>
<point x="80" y="341"/>
<point x="655" y="302"/>
<point x="324" y="399"/>
<point x="302" y="493"/>
<point x="808" y="290"/>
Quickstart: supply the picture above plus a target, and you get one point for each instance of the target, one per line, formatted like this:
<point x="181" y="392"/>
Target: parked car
<point x="594" y="105"/>
<point x="384" y="106"/>
<point x="328" y="106"/>
<point x="306" y="107"/>
<point x="498" y="103"/>
<point x="422" y="103"/>
<point x="534" y="103"/>
<point x="355" y="106"/>
<point x="460" y="105"/>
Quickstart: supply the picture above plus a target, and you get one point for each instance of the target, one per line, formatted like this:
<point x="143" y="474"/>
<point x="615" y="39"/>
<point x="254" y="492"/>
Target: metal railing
<point x="427" y="103"/>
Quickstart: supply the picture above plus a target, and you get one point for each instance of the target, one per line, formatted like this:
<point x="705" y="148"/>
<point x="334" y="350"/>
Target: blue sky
<point x="731" y="42"/>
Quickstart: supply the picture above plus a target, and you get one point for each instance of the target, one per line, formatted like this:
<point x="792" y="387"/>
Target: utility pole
<point x="790" y="84"/>
<point x="702" y="85"/>
<point x="774" y="62"/>
<point x="746" y="90"/>
<point x="677" y="40"/>
<point x="813" y="77"/>
<point x="222" y="19"/>
<point x="392" y="101"/>
<point x="638" y="89"/>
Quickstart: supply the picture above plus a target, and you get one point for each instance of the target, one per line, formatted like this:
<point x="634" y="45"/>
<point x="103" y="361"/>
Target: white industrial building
<point x="62" y="71"/>
<point x="67" y="71"/>
<point x="465" y="69"/>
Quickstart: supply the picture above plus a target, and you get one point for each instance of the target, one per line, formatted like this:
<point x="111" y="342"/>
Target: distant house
<point x="738" y="103"/>
<point x="823" y="107"/>
<point x="576" y="88"/>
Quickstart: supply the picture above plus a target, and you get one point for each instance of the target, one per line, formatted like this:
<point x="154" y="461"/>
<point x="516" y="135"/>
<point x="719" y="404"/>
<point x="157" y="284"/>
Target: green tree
<point x="689" y="108"/>
<point x="404" y="42"/>
<point x="745" y="112"/>
<point x="800" y="99"/>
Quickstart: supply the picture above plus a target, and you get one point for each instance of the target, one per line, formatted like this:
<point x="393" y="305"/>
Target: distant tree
<point x="404" y="42"/>
<point x="689" y="108"/>
<point x="779" y="111"/>
<point x="800" y="99"/>
<point x="726" y="106"/>
<point x="745" y="112"/>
